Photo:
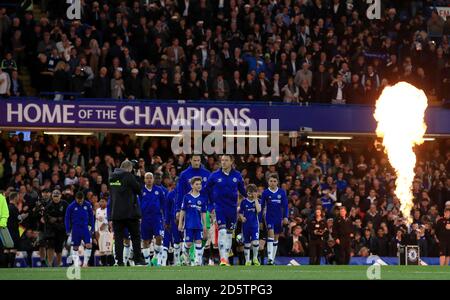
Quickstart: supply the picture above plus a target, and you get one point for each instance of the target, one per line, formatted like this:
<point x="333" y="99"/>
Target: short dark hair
<point x="195" y="179"/>
<point x="79" y="195"/>
<point x="229" y="155"/>
<point x="195" y="154"/>
<point x="13" y="196"/>
<point x="251" y="188"/>
<point x="275" y="176"/>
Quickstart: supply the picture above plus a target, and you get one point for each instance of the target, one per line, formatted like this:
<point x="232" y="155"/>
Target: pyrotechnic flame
<point x="400" y="114"/>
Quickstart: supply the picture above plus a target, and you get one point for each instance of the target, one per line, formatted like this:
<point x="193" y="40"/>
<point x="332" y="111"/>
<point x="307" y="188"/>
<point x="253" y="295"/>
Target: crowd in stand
<point x="313" y="174"/>
<point x="292" y="51"/>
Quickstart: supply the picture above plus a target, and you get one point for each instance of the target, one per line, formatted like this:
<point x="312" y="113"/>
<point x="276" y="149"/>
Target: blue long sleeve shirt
<point x="170" y="206"/>
<point x="223" y="188"/>
<point x="79" y="216"/>
<point x="275" y="204"/>
<point x="153" y="203"/>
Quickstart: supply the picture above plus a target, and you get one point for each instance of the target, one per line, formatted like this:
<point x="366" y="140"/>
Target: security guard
<point x="343" y="233"/>
<point x="316" y="229"/>
<point x="443" y="234"/>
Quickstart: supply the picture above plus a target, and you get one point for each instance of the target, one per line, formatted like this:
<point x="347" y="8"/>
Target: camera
<point x="135" y="164"/>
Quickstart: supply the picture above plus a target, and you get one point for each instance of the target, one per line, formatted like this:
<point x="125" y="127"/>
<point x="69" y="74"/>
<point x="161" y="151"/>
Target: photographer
<point x="125" y="210"/>
<point x="38" y="214"/>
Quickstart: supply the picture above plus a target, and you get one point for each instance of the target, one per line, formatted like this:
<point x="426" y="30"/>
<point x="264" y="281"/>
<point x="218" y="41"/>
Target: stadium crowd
<point x="291" y="51"/>
<point x="314" y="175"/>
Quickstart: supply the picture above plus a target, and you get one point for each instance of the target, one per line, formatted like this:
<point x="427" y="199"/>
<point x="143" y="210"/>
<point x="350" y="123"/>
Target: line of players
<point x="170" y="217"/>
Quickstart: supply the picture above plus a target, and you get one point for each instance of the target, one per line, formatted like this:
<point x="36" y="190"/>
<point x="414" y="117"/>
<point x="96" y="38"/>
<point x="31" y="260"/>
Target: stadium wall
<point x="21" y="260"/>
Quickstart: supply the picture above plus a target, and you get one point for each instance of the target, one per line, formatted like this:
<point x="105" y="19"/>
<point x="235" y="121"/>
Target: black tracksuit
<point x="125" y="211"/>
<point x="55" y="230"/>
<point x="342" y="230"/>
<point x="316" y="229"/>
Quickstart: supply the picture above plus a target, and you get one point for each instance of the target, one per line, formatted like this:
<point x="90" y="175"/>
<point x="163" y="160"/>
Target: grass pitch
<point x="232" y="273"/>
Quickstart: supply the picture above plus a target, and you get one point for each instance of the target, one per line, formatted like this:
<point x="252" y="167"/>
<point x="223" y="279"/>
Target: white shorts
<point x="105" y="240"/>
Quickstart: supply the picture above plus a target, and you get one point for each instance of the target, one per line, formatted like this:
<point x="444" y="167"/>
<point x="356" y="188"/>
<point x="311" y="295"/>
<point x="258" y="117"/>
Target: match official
<point x="125" y="210"/>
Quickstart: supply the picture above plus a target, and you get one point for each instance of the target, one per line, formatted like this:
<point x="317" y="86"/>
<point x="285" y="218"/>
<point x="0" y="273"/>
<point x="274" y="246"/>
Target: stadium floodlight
<point x="329" y="137"/>
<point x="243" y="135"/>
<point x="159" y="134"/>
<point x="67" y="133"/>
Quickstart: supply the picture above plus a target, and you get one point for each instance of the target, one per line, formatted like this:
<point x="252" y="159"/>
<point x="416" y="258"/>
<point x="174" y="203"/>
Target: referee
<point x="125" y="210"/>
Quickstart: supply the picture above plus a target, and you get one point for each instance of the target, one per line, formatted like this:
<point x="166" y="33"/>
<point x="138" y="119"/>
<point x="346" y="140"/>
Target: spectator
<point x="303" y="74"/>
<point x="178" y="86"/>
<point x="221" y="88"/>
<point x="5" y="84"/>
<point x="372" y="76"/>
<point x="262" y="86"/>
<point x="61" y="80"/>
<point x="133" y="87"/>
<point x="435" y="25"/>
<point x="321" y="83"/>
<point x="16" y="89"/>
<point x="355" y="91"/>
<point x="338" y="91"/>
<point x="193" y="90"/>
<point x="8" y="63"/>
<point x="290" y="92"/>
<point x="117" y="86"/>
<point x="149" y="87"/>
<point x="296" y="244"/>
<point x="101" y="85"/>
<point x="305" y="94"/>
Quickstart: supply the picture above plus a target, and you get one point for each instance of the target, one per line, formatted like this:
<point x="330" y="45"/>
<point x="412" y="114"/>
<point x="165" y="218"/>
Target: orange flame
<point x="400" y="112"/>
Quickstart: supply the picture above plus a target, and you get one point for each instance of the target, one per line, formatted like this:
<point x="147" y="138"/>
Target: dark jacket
<point x="342" y="229"/>
<point x="54" y="215"/>
<point x="125" y="189"/>
<point x="102" y="87"/>
<point x="133" y="87"/>
<point x="61" y="81"/>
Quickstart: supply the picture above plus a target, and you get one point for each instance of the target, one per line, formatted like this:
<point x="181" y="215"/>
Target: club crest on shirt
<point x="279" y="196"/>
<point x="219" y="180"/>
<point x="234" y="179"/>
<point x="85" y="207"/>
<point x="61" y="208"/>
<point x="205" y="179"/>
<point x="144" y="193"/>
<point x="76" y="208"/>
<point x="156" y="193"/>
<point x="199" y="202"/>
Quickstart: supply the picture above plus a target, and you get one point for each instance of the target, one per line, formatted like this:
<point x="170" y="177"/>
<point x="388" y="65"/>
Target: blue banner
<point x="148" y="115"/>
<point x="360" y="261"/>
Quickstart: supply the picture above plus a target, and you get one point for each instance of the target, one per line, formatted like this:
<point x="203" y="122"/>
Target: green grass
<point x="233" y="273"/>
